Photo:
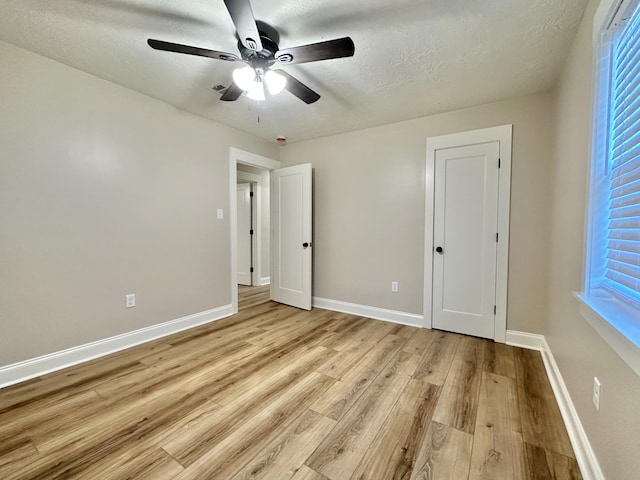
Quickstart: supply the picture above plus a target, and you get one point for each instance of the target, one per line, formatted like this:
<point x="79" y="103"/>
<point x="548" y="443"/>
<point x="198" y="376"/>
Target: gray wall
<point x="581" y="354"/>
<point x="369" y="207"/>
<point x="104" y="192"/>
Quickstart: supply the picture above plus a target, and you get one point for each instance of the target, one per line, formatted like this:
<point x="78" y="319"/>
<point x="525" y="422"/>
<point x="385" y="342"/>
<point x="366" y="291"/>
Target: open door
<point x="244" y="234"/>
<point x="291" y="236"/>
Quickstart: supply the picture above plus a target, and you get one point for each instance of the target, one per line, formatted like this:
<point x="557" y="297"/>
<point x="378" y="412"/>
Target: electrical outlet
<point x="596" y="393"/>
<point x="394" y="286"/>
<point x="131" y="300"/>
<point x="220" y="214"/>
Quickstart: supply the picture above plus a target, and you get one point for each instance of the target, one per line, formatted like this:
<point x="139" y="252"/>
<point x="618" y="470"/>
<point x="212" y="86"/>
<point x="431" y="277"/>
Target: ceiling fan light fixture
<point x="244" y="77"/>
<point x="259" y="50"/>
<point x="275" y="82"/>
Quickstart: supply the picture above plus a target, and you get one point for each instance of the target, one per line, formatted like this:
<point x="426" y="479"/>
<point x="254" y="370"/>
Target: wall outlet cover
<point x="596" y="393"/>
<point x="130" y="300"/>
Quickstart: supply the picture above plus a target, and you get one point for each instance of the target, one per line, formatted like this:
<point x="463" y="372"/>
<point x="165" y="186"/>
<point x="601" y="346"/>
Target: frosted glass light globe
<point x="244" y="77"/>
<point x="275" y="82"/>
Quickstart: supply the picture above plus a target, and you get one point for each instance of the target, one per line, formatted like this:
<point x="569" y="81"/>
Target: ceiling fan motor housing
<point x="262" y="59"/>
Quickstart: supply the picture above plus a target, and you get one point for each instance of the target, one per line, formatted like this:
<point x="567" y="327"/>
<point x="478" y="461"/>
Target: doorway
<point x="250" y="168"/>
<point x="253" y="220"/>
<point x="290" y="193"/>
<point x="467" y="232"/>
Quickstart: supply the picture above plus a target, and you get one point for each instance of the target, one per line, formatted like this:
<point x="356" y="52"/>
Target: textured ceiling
<point x="413" y="57"/>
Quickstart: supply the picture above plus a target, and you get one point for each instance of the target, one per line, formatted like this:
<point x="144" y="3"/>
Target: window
<point x="622" y="246"/>
<point x="612" y="280"/>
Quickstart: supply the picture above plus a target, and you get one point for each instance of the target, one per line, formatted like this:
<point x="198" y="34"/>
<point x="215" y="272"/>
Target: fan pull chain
<point x="257" y="108"/>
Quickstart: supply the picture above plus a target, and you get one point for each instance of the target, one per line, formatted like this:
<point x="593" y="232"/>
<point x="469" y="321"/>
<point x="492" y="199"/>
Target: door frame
<point x="503" y="135"/>
<point x="237" y="156"/>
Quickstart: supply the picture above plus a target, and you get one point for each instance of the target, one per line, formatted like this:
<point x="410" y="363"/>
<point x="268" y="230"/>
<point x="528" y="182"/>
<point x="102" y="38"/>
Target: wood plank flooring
<point x="277" y="393"/>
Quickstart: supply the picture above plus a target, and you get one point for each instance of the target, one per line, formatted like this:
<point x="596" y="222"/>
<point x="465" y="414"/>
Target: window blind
<point x="622" y="269"/>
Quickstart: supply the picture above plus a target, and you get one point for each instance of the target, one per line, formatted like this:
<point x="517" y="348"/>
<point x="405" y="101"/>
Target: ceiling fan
<point x="259" y="51"/>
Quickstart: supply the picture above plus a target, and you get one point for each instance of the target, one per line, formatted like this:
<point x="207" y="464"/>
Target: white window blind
<point x="622" y="267"/>
<point x="610" y="302"/>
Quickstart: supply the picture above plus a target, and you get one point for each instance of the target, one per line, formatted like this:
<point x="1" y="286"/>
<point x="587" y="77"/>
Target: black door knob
<point x="305" y="244"/>
<point x="440" y="250"/>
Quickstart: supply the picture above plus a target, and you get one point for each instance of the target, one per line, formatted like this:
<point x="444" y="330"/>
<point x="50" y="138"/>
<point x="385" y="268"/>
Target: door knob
<point x="440" y="250"/>
<point x="307" y="244"/>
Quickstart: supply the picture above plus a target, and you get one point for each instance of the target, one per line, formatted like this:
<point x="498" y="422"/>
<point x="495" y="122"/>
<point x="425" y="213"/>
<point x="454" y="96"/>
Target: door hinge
<point x="494" y="310"/>
<point x="251" y="270"/>
<point x="498" y="167"/>
<point x="497" y="236"/>
<point x="251" y="232"/>
<point x="251" y="194"/>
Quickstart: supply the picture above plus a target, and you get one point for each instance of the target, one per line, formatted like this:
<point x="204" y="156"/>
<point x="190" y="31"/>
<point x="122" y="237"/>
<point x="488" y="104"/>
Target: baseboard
<point x="589" y="466"/>
<point x="265" y="281"/>
<point x="392" y="316"/>
<point x="35" y="367"/>
<point x="531" y="341"/>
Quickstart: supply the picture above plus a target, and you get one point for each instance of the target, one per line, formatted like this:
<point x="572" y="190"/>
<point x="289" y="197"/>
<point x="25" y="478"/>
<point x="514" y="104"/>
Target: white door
<point x="291" y="225"/>
<point x="465" y="235"/>
<point x="244" y="237"/>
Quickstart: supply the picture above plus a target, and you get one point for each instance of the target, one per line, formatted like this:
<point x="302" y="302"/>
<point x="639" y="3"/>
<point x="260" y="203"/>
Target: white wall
<point x="369" y="207"/>
<point x="104" y="192"/>
<point x="581" y="354"/>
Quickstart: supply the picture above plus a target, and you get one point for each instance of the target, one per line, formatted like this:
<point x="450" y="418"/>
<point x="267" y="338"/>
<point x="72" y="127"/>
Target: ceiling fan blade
<point x="232" y="93"/>
<point x="200" y="52"/>
<point x="242" y="16"/>
<point x="341" y="47"/>
<point x="299" y="89"/>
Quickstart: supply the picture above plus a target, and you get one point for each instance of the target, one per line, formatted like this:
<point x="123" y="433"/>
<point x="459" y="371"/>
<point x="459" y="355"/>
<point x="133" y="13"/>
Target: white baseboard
<point x="34" y="367"/>
<point x="531" y="341"/>
<point x="265" y="281"/>
<point x="589" y="466"/>
<point x="392" y="316"/>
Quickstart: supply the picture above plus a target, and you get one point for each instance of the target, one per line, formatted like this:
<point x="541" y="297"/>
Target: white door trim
<point x="503" y="135"/>
<point x="247" y="158"/>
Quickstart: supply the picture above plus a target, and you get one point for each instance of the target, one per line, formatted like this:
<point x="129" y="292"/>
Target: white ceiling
<point x="412" y="58"/>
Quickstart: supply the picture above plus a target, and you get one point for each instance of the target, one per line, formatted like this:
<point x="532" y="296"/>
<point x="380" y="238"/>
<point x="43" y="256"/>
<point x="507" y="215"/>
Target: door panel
<point x="465" y="226"/>
<point x="291" y="226"/>
<point x="244" y="239"/>
<point x="291" y="233"/>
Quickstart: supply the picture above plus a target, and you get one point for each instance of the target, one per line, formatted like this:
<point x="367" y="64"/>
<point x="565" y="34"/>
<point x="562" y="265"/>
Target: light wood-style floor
<point x="278" y="393"/>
